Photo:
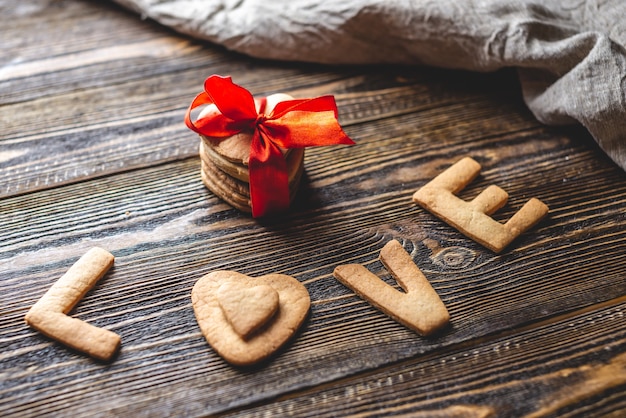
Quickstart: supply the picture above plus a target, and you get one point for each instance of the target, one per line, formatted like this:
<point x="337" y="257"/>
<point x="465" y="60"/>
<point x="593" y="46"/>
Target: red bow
<point x="292" y="124"/>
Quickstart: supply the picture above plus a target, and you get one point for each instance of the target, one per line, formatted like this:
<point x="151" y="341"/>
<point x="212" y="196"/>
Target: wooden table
<point x="94" y="152"/>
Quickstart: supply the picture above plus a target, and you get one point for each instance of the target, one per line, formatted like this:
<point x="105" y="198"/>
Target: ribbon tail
<point x="269" y="181"/>
<point x="306" y="123"/>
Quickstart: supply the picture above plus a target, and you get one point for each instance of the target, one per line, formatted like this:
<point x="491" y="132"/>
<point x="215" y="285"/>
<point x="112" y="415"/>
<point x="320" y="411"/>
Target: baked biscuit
<point x="225" y="162"/>
<point x="419" y="308"/>
<point x="246" y="319"/>
<point x="472" y="218"/>
<point x="49" y="314"/>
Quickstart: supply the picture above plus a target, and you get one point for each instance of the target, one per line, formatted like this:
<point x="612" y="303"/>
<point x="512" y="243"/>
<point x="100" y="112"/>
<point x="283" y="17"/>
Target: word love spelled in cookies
<point x="419" y="309"/>
<point x="246" y="319"/>
<point x="49" y="314"/>
<point x="472" y="218"/>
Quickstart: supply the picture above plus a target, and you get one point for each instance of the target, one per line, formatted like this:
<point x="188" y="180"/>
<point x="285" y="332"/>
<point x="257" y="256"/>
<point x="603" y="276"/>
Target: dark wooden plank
<point x="139" y="123"/>
<point x="94" y="152"/>
<point x="573" y="367"/>
<point x="167" y="231"/>
<point x="51" y="28"/>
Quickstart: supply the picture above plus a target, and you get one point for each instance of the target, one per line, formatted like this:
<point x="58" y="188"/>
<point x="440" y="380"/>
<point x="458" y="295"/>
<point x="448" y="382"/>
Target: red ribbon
<point x="291" y="124"/>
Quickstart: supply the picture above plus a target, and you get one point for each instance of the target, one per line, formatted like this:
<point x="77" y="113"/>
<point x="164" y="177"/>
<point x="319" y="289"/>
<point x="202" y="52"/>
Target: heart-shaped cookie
<point x="245" y="307"/>
<point x="246" y="326"/>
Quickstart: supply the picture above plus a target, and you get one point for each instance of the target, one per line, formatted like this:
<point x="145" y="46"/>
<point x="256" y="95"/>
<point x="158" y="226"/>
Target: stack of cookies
<point x="225" y="163"/>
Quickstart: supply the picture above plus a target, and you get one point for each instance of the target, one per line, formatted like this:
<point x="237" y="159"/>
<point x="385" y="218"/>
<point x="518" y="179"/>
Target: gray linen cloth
<point x="570" y="54"/>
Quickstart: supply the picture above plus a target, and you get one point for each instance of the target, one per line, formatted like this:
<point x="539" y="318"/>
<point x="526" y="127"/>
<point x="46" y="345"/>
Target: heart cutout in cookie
<point x="268" y="332"/>
<point x="247" y="308"/>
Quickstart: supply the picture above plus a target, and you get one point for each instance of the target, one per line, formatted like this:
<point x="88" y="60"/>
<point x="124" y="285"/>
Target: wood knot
<point x="449" y="257"/>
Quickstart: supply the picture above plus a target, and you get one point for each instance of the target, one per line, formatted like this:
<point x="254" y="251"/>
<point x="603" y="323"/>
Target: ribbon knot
<point x="291" y="124"/>
<point x="260" y="119"/>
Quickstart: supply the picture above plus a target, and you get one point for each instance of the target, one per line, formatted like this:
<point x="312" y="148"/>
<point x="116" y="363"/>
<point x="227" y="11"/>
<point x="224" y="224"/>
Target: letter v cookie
<point x="49" y="314"/>
<point x="472" y="218"/>
<point x="419" y="309"/>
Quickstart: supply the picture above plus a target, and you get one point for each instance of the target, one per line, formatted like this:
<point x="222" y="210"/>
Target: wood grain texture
<point x="94" y="152"/>
<point x="571" y="367"/>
